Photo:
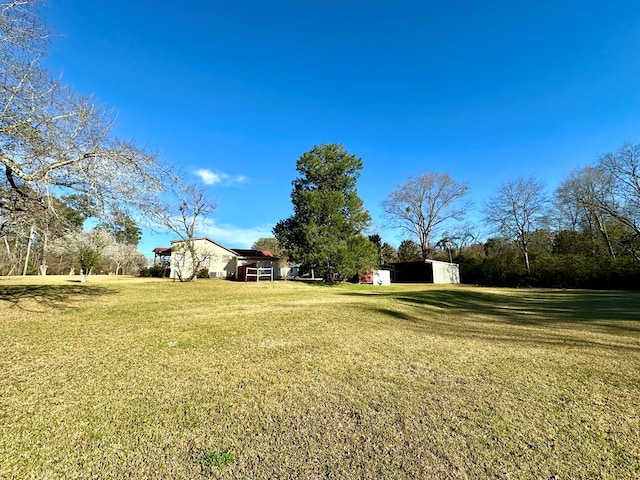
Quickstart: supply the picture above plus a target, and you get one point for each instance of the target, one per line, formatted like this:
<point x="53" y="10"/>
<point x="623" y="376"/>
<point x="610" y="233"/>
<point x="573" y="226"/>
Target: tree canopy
<point x="60" y="161"/>
<point x="271" y="244"/>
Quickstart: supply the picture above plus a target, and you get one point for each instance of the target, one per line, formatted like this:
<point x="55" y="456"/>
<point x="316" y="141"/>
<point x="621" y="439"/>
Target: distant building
<point x="425" y="271"/>
<point x="376" y="277"/>
<point x="218" y="260"/>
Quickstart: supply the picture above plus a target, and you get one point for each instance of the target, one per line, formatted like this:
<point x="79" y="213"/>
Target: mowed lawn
<point x="151" y="379"/>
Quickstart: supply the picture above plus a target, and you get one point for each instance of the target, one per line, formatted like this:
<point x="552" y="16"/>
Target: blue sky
<point x="235" y="92"/>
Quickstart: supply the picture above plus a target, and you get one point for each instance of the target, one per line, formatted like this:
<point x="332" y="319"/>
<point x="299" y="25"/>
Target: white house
<point x="218" y="260"/>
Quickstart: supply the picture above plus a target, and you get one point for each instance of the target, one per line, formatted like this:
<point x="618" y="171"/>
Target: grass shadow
<point x="25" y="297"/>
<point x="528" y="306"/>
<point x="546" y="316"/>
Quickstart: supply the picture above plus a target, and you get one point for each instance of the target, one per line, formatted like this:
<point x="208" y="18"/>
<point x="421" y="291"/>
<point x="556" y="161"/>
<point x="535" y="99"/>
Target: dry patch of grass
<point x="146" y="378"/>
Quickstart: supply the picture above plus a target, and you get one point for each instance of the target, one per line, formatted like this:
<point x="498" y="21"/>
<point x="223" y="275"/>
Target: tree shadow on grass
<point x="32" y="297"/>
<point x="546" y="316"/>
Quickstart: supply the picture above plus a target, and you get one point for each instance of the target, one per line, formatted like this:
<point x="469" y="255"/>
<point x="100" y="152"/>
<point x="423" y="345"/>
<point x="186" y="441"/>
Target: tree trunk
<point x="607" y="240"/>
<point x="26" y="258"/>
<point x="526" y="262"/>
<point x="524" y="246"/>
<point x="43" y="262"/>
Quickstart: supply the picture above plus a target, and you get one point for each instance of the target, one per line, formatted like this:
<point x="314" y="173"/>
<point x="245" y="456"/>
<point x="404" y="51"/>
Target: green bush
<point x="203" y="273"/>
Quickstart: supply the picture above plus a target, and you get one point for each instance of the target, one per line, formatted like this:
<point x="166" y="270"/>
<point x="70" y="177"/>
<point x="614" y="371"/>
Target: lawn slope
<point x="144" y="378"/>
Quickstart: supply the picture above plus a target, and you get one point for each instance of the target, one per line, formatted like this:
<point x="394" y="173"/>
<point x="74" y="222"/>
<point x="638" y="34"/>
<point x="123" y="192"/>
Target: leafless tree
<point x="123" y="258"/>
<point x="517" y="210"/>
<point x="578" y="201"/>
<point x="182" y="211"/>
<point x="457" y="238"/>
<point x="425" y="204"/>
<point x="623" y="168"/>
<point x="84" y="249"/>
<point x="52" y="140"/>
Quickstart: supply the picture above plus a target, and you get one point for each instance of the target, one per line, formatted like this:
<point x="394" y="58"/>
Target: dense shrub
<point x="203" y="273"/>
<point x="555" y="271"/>
<point x="156" y="271"/>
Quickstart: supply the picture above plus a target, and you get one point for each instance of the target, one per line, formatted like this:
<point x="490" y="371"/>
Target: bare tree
<point x="123" y="258"/>
<point x="623" y="168"/>
<point x="455" y="240"/>
<point x="88" y="249"/>
<point x="517" y="211"/>
<point x="425" y="204"/>
<point x="53" y="141"/>
<point x="578" y="201"/>
<point x="183" y="212"/>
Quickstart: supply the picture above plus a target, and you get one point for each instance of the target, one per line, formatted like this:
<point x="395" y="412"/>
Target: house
<point x="219" y="261"/>
<point x="426" y="271"/>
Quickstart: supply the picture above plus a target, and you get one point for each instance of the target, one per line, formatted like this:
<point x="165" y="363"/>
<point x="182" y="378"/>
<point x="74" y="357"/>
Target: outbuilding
<point x="376" y="277"/>
<point x="425" y="271"/>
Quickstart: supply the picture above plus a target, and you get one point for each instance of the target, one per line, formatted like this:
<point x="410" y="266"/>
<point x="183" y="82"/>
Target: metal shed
<point x="425" y="271"/>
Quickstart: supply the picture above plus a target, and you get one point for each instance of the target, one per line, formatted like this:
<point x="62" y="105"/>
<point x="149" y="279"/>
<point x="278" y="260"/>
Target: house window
<point x="226" y="258"/>
<point x="179" y="260"/>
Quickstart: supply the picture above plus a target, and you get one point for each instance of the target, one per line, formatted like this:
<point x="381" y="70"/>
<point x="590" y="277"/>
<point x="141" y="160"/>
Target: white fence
<point x="259" y="273"/>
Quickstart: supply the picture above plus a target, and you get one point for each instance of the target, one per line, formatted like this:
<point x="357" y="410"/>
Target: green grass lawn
<point x="150" y="379"/>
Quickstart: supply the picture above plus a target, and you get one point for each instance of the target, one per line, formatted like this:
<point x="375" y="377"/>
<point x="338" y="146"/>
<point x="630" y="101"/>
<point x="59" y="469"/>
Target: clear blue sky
<point x="486" y="91"/>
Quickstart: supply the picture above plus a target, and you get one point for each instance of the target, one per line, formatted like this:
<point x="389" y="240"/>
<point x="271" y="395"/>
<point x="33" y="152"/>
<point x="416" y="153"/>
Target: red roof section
<point x="253" y="253"/>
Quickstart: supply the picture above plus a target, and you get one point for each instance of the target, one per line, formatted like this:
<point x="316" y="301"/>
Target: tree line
<point x="585" y="233"/>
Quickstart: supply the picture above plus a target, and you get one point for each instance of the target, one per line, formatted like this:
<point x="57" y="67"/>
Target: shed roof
<point x="243" y="252"/>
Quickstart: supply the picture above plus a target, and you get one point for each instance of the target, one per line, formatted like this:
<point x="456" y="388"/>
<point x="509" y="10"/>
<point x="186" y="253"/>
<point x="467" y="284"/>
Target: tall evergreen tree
<point x="325" y="231"/>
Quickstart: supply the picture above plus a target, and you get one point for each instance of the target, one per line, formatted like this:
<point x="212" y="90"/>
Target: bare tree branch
<point x="425" y="204"/>
<point x="624" y="170"/>
<point x="517" y="210"/>
<point x="182" y="212"/>
<point x="52" y="140"/>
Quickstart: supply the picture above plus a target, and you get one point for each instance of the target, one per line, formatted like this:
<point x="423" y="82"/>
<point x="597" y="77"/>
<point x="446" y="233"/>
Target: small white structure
<point x="381" y="277"/>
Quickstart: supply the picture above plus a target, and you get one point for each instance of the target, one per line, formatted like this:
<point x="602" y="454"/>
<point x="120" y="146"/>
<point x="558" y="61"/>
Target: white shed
<point x="381" y="277"/>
